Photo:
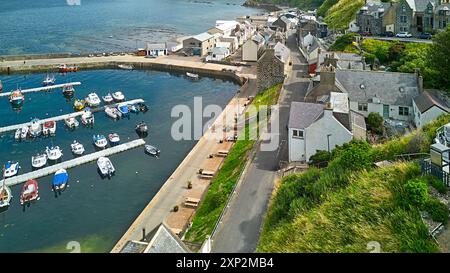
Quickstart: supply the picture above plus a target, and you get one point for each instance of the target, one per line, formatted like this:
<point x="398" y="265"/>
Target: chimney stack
<point x="328" y="75"/>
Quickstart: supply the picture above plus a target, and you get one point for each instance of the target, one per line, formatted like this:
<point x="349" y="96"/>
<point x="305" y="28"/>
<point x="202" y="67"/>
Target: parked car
<point x="425" y="36"/>
<point x="367" y="33"/>
<point x="387" y="34"/>
<point x="403" y="35"/>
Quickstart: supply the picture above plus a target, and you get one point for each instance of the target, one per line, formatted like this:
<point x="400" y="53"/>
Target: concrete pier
<point x="74" y="162"/>
<point x="44" y="88"/>
<point x="63" y="117"/>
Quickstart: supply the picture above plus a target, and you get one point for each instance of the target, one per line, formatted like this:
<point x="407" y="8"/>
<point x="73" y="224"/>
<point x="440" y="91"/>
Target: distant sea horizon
<point x="90" y="26"/>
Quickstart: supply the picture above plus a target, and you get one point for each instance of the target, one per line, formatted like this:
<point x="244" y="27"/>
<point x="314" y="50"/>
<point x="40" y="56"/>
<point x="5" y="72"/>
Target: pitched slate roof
<point x="158" y="46"/>
<point x="430" y="98"/>
<point x="282" y="52"/>
<point x="165" y="241"/>
<point x="303" y="114"/>
<point x="390" y="88"/>
<point x="420" y="5"/>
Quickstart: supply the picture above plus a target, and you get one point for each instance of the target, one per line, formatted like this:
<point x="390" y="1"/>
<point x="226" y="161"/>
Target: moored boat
<point x="63" y="68"/>
<point x="114" y="139"/>
<point x="49" y="128"/>
<point x="112" y="112"/>
<point x="68" y="90"/>
<point x="24" y="132"/>
<point x="118" y="96"/>
<point x="71" y="122"/>
<point x="78" y="105"/>
<point x="48" y="81"/>
<point x="5" y="197"/>
<point x="151" y="150"/>
<point x="16" y="98"/>
<point x="60" y="180"/>
<point x="11" y="168"/>
<point x="17" y="134"/>
<point x="30" y="192"/>
<point x="99" y="141"/>
<point x="77" y="148"/>
<point x="93" y="100"/>
<point x="108" y="98"/>
<point x="141" y="128"/>
<point x="123" y="109"/>
<point x="133" y="108"/>
<point x="35" y="128"/>
<point x="87" y="118"/>
<point x="39" y="161"/>
<point x="142" y="107"/>
<point x="53" y="153"/>
<point x="105" y="167"/>
<point x="192" y="75"/>
<point x="125" y="66"/>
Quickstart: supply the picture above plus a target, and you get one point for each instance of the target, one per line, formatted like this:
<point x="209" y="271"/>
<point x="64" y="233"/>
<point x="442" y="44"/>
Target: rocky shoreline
<point x="258" y="4"/>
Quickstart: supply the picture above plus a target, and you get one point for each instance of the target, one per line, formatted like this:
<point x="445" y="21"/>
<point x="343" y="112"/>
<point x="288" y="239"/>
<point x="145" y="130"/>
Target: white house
<point x="317" y="127"/>
<point x="156" y="49"/>
<point x="218" y="54"/>
<point x="252" y="48"/>
<point x="428" y="106"/>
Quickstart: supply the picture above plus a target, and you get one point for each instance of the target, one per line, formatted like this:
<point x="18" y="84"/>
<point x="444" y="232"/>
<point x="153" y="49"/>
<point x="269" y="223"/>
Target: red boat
<point x="30" y="192"/>
<point x="64" y="68"/>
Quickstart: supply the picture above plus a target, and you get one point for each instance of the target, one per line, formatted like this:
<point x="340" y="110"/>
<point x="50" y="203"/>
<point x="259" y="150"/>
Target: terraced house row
<point x="414" y="16"/>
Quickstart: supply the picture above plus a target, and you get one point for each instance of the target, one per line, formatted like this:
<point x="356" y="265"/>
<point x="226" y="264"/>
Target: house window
<point x="403" y="19"/>
<point x="403" y="111"/>
<point x="362" y="107"/>
<point x="403" y="8"/>
<point x="297" y="133"/>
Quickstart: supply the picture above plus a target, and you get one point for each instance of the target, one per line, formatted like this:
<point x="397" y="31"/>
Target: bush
<point x="436" y="210"/>
<point x="320" y="156"/>
<point x="353" y="156"/>
<point x="344" y="43"/>
<point x="437" y="184"/>
<point x="416" y="192"/>
<point x="375" y="123"/>
<point x="418" y="143"/>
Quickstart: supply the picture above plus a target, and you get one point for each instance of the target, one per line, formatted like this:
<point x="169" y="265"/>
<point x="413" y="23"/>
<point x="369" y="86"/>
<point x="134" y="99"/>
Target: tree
<point x="439" y="57"/>
<point x="375" y="123"/>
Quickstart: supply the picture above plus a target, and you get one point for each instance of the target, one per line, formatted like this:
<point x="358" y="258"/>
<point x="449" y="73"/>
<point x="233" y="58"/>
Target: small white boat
<point x="49" y="128"/>
<point x="17" y="135"/>
<point x="100" y="141"/>
<point x="93" y="100"/>
<point x="24" y="132"/>
<point x="87" y="118"/>
<point x="35" y="128"/>
<point x="71" y="122"/>
<point x="192" y="75"/>
<point x="77" y="148"/>
<point x="118" y="96"/>
<point x="108" y="98"/>
<point x="112" y="112"/>
<point x="133" y="108"/>
<point x="125" y="66"/>
<point x="10" y="169"/>
<point x="53" y="153"/>
<point x="114" y="139"/>
<point x="49" y="80"/>
<point x="105" y="166"/>
<point x="151" y="150"/>
<point x="68" y="90"/>
<point x="39" y="161"/>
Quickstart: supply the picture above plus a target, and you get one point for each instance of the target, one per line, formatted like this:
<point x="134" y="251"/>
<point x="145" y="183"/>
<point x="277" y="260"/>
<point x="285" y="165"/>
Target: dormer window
<point x="403" y="8"/>
<point x="362" y="86"/>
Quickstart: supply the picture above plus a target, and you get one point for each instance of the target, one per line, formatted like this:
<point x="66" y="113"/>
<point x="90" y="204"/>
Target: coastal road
<point x="241" y="225"/>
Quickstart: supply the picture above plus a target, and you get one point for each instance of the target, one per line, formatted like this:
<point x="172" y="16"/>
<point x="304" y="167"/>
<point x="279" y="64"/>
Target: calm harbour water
<point x="93" y="211"/>
<point x="49" y="26"/>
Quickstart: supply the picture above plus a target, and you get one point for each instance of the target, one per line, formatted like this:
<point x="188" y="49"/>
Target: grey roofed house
<point x="258" y="38"/>
<point x="282" y="52"/>
<point x="163" y="240"/>
<point x="390" y="88"/>
<point x="303" y="114"/>
<point x="203" y="36"/>
<point x="420" y="5"/>
<point x="282" y="22"/>
<point x="220" y="51"/>
<point x="430" y="98"/>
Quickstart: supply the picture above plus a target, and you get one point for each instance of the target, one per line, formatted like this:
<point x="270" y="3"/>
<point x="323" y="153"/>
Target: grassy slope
<point x="215" y="200"/>
<point x="341" y="13"/>
<point x="349" y="214"/>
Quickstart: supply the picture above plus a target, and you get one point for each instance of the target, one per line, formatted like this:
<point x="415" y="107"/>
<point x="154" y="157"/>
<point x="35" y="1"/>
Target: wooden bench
<point x="206" y="174"/>
<point x="191" y="202"/>
<point x="222" y="153"/>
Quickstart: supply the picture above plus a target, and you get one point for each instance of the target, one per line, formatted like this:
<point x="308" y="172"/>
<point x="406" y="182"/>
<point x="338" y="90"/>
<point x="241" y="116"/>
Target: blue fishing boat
<point x="60" y="180"/>
<point x="10" y="169"/>
<point x="123" y="109"/>
<point x="16" y="98"/>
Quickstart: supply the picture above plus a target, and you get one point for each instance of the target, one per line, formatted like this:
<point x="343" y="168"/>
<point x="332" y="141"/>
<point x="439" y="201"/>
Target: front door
<point x="385" y="111"/>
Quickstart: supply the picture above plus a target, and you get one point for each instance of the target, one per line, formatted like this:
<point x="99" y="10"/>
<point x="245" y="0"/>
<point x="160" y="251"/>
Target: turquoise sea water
<point x="48" y="26"/>
<point x="93" y="211"/>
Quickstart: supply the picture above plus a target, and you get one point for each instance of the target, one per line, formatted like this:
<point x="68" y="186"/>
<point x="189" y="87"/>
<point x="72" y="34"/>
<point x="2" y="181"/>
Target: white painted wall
<point x="250" y="51"/>
<point x="422" y="119"/>
<point x="378" y="108"/>
<point x="296" y="147"/>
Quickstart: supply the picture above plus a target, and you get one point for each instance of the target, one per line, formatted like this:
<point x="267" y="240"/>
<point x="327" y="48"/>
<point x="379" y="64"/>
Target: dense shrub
<point x="416" y="192"/>
<point x="436" y="210"/>
<point x="320" y="156"/>
<point x="418" y="143"/>
<point x="378" y="48"/>
<point x="375" y="123"/>
<point x="344" y="43"/>
<point x="437" y="184"/>
<point x="353" y="156"/>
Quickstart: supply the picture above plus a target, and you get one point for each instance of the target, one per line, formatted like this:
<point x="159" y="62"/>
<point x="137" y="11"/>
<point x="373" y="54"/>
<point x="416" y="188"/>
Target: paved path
<point x="242" y="223"/>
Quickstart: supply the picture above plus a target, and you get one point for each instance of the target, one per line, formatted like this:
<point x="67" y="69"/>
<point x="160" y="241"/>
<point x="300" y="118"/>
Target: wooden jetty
<point x="44" y="88"/>
<point x="63" y="117"/>
<point x="73" y="162"/>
